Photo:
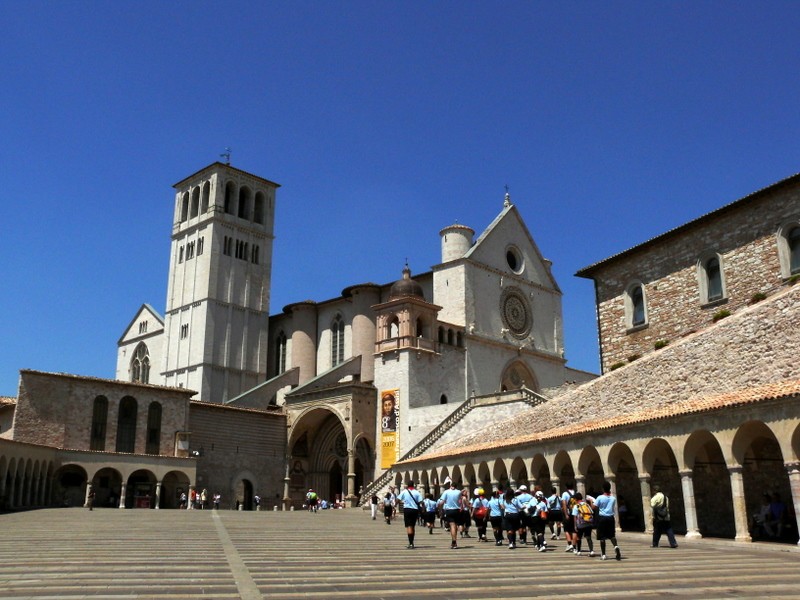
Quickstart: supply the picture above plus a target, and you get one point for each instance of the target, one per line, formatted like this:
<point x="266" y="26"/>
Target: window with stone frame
<point x="711" y="278"/>
<point x="140" y="364"/>
<point x="337" y="341"/>
<point x="635" y="306"/>
<point x="793" y="243"/>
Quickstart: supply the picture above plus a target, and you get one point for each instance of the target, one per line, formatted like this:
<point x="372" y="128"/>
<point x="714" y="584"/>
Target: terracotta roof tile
<point x="701" y="403"/>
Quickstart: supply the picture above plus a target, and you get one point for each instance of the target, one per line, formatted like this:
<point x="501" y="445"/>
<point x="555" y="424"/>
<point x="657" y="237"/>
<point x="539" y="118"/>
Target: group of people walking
<point x="515" y="514"/>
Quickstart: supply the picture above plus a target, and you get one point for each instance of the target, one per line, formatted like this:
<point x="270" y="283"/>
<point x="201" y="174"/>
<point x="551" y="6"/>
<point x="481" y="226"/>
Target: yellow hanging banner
<point x="390" y="417"/>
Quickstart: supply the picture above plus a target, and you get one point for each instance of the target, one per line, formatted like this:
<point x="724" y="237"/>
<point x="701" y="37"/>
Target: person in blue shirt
<point x="605" y="504"/>
<point x="450" y="502"/>
<point x="511" y="520"/>
<point x="554" y="515"/>
<point x="539" y="518"/>
<point x="523" y="499"/>
<point x="480" y="514"/>
<point x="412" y="505"/>
<point x="429" y="516"/>
<point x="496" y="517"/>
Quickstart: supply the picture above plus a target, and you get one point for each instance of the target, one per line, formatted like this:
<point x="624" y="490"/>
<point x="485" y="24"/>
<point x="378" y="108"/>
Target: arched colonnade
<point x="715" y="477"/>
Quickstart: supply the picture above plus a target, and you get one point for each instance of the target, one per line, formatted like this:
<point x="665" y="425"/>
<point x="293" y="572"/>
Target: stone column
<point x="88" y="491"/>
<point x="556" y="483"/>
<point x="158" y="494"/>
<point x="687" y="484"/>
<point x="580" y="485"/>
<point x="647" y="510"/>
<point x="793" y="470"/>
<point x="122" y="495"/>
<point x="286" y="498"/>
<point x="739" y="504"/>
<point x="351" y="498"/>
<point x="612" y="479"/>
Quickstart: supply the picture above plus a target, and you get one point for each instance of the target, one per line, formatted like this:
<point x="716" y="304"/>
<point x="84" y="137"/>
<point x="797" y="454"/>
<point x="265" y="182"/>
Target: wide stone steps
<point x="111" y="553"/>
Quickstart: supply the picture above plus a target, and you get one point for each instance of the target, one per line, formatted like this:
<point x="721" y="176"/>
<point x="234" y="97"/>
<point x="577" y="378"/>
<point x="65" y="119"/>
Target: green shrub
<point x="634" y="357"/>
<point x="720" y="314"/>
<point x="616" y="366"/>
<point x="757" y="297"/>
<point x="660" y="344"/>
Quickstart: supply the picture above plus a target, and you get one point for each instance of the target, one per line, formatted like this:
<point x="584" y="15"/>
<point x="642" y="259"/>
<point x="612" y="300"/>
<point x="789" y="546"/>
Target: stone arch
<point x="658" y="460"/>
<point x="485" y="476"/>
<point x="470" y="478"/>
<point x="500" y="474"/>
<point x="795" y="443"/>
<point x="318" y="442"/>
<point x="756" y="448"/>
<point x="590" y="466"/>
<point x="70" y="485"/>
<point x="458" y="477"/>
<point x="107" y="486"/>
<point x="173" y="484"/>
<point x="517" y="375"/>
<point x="140" y="489"/>
<point x="564" y="469"/>
<point x="518" y="472"/>
<point x="540" y="473"/>
<point x="711" y="484"/>
<point x="622" y="463"/>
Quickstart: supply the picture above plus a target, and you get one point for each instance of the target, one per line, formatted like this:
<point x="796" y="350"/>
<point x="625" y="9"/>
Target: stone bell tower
<point x="219" y="283"/>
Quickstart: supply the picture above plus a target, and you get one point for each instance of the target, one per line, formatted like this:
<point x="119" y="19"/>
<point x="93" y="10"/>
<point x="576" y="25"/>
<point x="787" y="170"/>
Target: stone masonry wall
<point x="56" y="410"/>
<point x="745" y="236"/>
<point x="238" y="444"/>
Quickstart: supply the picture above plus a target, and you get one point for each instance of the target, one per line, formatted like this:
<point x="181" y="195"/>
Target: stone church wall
<point x="745" y="237"/>
<point x="56" y="410"/>
<point x="236" y="444"/>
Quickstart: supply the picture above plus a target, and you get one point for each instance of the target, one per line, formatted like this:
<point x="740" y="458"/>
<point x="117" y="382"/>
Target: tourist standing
<point x="450" y="503"/>
<point x="606" y="523"/>
<point x="311" y="500"/>
<point x="412" y="506"/>
<point x="662" y="524"/>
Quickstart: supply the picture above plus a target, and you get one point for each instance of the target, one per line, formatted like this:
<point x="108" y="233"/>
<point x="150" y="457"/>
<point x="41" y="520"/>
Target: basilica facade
<point x="455" y="372"/>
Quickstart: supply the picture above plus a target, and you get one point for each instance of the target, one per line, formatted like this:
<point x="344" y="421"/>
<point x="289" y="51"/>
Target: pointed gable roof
<point x="509" y="217"/>
<point x="144" y="308"/>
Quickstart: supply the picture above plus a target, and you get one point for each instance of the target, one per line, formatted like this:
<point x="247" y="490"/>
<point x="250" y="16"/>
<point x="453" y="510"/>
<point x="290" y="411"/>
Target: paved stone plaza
<point x="107" y="553"/>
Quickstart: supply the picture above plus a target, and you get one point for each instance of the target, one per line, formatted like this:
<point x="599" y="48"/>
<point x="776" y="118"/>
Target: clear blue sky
<point x="611" y="122"/>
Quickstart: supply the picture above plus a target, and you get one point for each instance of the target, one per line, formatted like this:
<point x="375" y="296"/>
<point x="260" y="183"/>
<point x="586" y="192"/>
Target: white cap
<point x="522" y="488"/>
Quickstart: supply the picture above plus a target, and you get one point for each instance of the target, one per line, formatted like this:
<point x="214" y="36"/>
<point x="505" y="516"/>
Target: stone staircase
<point x="521" y="395"/>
